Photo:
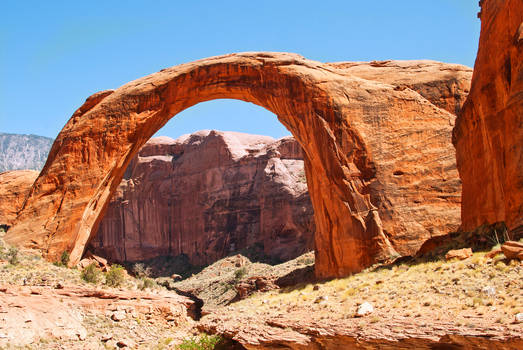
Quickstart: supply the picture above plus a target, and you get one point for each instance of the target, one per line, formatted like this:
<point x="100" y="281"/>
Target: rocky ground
<point x="417" y="304"/>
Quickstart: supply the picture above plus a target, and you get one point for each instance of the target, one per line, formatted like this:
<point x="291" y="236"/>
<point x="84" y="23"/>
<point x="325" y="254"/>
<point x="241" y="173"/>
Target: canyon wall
<point x="489" y="131"/>
<point x="14" y="189"/>
<point x="207" y="195"/>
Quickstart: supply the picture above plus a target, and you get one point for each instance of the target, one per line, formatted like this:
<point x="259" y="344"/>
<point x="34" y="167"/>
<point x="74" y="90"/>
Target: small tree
<point x="64" y="259"/>
<point x="115" y="276"/>
<point x="141" y="271"/>
<point x="12" y="256"/>
<point x="91" y="274"/>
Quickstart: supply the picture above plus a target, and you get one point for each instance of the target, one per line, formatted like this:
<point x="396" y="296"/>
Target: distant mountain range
<point x="23" y="151"/>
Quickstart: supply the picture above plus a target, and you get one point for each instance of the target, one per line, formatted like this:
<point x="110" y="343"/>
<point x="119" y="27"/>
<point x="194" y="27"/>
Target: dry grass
<point x="436" y="287"/>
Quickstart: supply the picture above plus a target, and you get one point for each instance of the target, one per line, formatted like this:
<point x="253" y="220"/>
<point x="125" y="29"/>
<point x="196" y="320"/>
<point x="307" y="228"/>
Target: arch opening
<point x="201" y="195"/>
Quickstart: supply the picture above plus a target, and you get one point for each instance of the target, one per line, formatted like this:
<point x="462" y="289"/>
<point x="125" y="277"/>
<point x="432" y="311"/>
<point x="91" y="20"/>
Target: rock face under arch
<point x="207" y="195"/>
<point x="376" y="139"/>
<point x="489" y="132"/>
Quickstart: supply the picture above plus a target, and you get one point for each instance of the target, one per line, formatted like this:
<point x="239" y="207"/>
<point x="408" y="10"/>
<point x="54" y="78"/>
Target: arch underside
<point x="354" y="133"/>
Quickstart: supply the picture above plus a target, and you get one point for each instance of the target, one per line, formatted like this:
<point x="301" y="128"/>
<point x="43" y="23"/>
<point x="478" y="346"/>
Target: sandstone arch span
<point x="376" y="138"/>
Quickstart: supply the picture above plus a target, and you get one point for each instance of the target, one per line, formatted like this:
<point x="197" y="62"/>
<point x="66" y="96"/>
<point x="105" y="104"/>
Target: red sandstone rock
<point x="30" y="313"/>
<point x="513" y="250"/>
<point x="493" y="253"/>
<point x="14" y="188"/>
<point x="489" y="131"/>
<point x="460" y="254"/>
<point x="254" y="284"/>
<point x="206" y="195"/>
<point x="380" y="169"/>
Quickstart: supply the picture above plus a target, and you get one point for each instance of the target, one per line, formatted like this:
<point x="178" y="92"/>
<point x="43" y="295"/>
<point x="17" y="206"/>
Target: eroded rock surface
<point x="30" y="313"/>
<point x="489" y="131"/>
<point x="378" y="159"/>
<point x="14" y="188"/>
<point x="206" y="195"/>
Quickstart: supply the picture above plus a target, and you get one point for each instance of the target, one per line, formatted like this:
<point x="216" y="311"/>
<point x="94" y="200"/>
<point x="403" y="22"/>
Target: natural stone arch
<point x="347" y="126"/>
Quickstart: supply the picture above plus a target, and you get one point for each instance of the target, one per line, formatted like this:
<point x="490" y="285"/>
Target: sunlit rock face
<point x="489" y="131"/>
<point x="207" y="195"/>
<point x="14" y="189"/>
<point x="378" y="158"/>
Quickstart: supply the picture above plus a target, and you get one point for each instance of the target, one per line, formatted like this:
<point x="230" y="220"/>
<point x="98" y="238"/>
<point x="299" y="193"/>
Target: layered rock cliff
<point x="489" y="132"/>
<point x="206" y="195"/>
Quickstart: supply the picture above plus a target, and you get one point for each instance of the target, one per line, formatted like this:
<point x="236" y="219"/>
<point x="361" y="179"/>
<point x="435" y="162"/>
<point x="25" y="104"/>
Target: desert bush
<point x="115" y="277"/>
<point x="203" y="342"/>
<point x="147" y="283"/>
<point x="12" y="256"/>
<point x="64" y="258"/>
<point x="91" y="274"/>
<point x="141" y="271"/>
<point x="240" y="273"/>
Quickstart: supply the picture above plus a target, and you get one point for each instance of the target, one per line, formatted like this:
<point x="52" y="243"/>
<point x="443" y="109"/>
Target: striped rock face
<point x="208" y="195"/>
<point x="378" y="158"/>
<point x="489" y="131"/>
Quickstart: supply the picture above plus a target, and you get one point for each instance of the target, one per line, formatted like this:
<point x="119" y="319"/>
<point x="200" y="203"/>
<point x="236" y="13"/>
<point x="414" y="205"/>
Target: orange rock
<point x="492" y="254"/>
<point x="378" y="159"/>
<point x="460" y="254"/>
<point x="14" y="188"/>
<point x="489" y="132"/>
<point x="513" y="250"/>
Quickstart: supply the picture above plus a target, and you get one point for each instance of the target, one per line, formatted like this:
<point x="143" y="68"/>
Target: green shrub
<point x="91" y="274"/>
<point x="240" y="273"/>
<point x="12" y="256"/>
<point x="64" y="259"/>
<point x="203" y="342"/>
<point x="147" y="283"/>
<point x="115" y="276"/>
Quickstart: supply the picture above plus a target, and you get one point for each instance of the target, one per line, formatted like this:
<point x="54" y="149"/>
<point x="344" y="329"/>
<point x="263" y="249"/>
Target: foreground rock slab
<point x="31" y="313"/>
<point x="376" y="140"/>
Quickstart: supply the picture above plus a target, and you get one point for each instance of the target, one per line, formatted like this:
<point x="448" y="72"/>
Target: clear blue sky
<point x="54" y="54"/>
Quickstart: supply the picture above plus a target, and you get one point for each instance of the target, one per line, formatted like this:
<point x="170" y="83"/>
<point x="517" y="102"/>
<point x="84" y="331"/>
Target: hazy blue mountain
<point x="23" y="151"/>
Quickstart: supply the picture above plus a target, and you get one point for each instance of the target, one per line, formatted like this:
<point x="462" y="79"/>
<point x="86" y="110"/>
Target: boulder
<point x="513" y="250"/>
<point x="460" y="254"/>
